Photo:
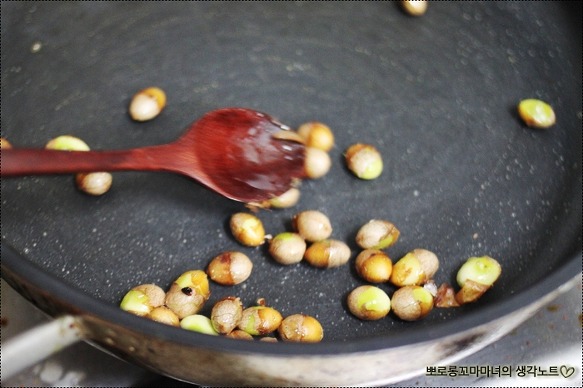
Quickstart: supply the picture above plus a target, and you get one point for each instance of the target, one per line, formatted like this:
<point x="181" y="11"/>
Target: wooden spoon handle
<point x="27" y="161"/>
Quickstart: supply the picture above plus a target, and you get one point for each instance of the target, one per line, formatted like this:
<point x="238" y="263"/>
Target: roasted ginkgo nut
<point x="142" y="299"/>
<point x="484" y="270"/>
<point x="368" y="303"/>
<point x="5" y="144"/>
<point x="164" y="315"/>
<point x="411" y="303"/>
<point x="407" y="271"/>
<point x="136" y="302"/>
<point x="300" y="328"/>
<point x="155" y="294"/>
<point x="414" y="7"/>
<point x="67" y="143"/>
<point x="188" y="293"/>
<point x="377" y="234"/>
<point x="247" y="229"/>
<point x="94" y="183"/>
<point x="475" y="277"/>
<point x="285" y="200"/>
<point x="364" y="160"/>
<point x="198" y="323"/>
<point x="226" y="314"/>
<point x="536" y="113"/>
<point x="260" y="320"/>
<point x="374" y="266"/>
<point x="312" y="225"/>
<point x="287" y="248"/>
<point x="327" y="253"/>
<point x="147" y="104"/>
<point x="415" y="268"/>
<point x="317" y="135"/>
<point x="317" y="163"/>
<point x="230" y="268"/>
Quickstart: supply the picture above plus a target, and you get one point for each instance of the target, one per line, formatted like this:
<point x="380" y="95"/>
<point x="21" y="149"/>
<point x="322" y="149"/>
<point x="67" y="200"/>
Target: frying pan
<point x="463" y="176"/>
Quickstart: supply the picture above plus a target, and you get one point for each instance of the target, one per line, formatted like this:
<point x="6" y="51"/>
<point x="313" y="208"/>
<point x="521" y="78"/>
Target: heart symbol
<point x="567" y="371"/>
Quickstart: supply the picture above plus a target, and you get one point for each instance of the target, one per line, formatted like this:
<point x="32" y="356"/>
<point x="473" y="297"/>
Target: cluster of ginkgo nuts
<point x="310" y="241"/>
<point x="412" y="274"/>
<point x="181" y="305"/>
<point x="416" y="293"/>
<point x="363" y="160"/>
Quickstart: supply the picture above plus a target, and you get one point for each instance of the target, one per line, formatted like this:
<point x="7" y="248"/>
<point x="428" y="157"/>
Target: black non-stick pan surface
<point x="437" y="95"/>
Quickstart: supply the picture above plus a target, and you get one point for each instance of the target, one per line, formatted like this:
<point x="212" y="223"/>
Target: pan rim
<point x="87" y="305"/>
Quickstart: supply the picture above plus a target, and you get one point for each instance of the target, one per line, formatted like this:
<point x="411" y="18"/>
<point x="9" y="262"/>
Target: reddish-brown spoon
<point x="234" y="151"/>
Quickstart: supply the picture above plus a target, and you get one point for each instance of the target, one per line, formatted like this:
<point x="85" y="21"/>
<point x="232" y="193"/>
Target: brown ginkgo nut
<point x="247" y="229"/>
<point x="230" y="268"/>
<point x="327" y="254"/>
<point x="312" y="225"/>
<point x="374" y="266"/>
<point x="147" y="104"/>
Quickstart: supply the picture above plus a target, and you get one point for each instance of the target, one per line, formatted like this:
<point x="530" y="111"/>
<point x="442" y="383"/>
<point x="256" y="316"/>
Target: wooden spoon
<point x="239" y="153"/>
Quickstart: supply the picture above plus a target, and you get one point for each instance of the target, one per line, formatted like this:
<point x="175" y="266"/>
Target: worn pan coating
<point x="437" y="95"/>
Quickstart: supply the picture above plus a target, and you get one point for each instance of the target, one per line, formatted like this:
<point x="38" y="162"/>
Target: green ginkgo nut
<point x="483" y="270"/>
<point x="536" y="113"/>
<point x="198" y="323"/>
